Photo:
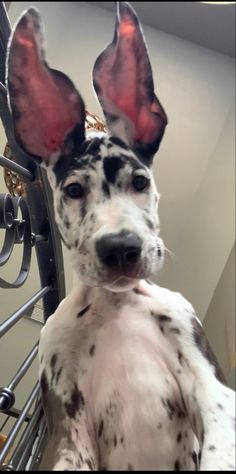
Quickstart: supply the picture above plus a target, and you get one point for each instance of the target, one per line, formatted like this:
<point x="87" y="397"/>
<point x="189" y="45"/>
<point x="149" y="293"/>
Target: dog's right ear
<point x="48" y="112"/>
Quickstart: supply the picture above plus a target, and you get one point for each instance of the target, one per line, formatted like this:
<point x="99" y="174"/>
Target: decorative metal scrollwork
<point x="17" y="231"/>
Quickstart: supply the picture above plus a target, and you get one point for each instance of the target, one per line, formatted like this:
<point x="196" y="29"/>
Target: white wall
<point x="219" y="322"/>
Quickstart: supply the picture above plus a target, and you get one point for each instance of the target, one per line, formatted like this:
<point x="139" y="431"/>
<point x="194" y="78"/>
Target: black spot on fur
<point x="111" y="166"/>
<point x="58" y="375"/>
<point x="89" y="463"/>
<point x="150" y="224"/>
<point x="179" y="437"/>
<point x="76" y="402"/>
<point x="92" y="350"/>
<point x="177" y="465"/>
<point x="220" y="406"/>
<point x="53" y="361"/>
<point x="106" y="189"/>
<point x="162" y="329"/>
<point x="83" y="311"/>
<point x="164" y="318"/>
<point x="211" y="448"/>
<point x="175" y="331"/>
<point x="204" y="346"/>
<point x="130" y="467"/>
<point x="159" y="252"/>
<point x="115" y="441"/>
<point x="194" y="458"/>
<point x="137" y="291"/>
<point x="44" y="383"/>
<point x="202" y="436"/>
<point x="199" y="457"/>
<point x="168" y="407"/>
<point x="180" y="357"/>
<point x="122" y="439"/>
<point x="100" y="428"/>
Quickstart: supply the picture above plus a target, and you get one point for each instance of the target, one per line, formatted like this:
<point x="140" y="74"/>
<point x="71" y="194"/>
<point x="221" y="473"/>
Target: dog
<point x="128" y="380"/>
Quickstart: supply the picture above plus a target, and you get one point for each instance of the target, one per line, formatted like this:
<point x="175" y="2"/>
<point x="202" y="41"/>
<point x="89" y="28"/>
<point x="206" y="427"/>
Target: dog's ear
<point x="123" y="82"/>
<point x="48" y="112"/>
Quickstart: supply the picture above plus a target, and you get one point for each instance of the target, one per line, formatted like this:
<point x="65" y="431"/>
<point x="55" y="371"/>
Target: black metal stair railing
<point x="26" y="220"/>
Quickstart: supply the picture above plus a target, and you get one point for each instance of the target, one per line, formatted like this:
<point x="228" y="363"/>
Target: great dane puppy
<point x="128" y="379"/>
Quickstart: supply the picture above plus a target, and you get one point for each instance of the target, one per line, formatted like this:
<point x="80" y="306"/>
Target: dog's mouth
<point x="122" y="279"/>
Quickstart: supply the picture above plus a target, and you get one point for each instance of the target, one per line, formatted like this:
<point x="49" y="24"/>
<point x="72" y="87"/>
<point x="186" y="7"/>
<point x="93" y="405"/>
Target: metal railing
<point x="34" y="230"/>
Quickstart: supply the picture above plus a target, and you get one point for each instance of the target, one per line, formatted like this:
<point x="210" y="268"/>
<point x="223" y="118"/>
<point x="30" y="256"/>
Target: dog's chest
<point x="118" y="358"/>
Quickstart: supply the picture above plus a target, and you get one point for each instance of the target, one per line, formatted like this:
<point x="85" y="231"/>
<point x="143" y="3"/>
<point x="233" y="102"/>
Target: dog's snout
<point x="119" y="250"/>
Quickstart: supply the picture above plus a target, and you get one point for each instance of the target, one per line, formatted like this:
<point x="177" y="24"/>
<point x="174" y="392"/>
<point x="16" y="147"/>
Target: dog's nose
<point x="119" y="250"/>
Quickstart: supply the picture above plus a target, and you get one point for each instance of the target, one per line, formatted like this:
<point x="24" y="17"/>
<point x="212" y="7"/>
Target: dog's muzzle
<point x="120" y="252"/>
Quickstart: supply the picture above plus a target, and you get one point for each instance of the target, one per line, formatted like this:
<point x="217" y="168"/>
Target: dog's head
<point x="105" y="197"/>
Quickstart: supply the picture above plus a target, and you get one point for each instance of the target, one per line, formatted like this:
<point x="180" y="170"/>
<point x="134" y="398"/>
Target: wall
<point x="219" y="322"/>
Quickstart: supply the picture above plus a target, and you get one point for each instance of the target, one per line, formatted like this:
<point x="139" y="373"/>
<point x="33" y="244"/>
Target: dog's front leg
<point x="71" y="445"/>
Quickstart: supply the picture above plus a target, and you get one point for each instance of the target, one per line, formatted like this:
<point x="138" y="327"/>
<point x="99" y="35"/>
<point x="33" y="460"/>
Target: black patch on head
<point x="44" y="383"/>
<point x="100" y="428"/>
<point x="83" y="311"/>
<point x="77" y="159"/>
<point x="111" y="166"/>
<point x="76" y="402"/>
<point x="204" y="346"/>
<point x="92" y="350"/>
<point x="106" y="189"/>
<point x="119" y="142"/>
<point x="164" y="318"/>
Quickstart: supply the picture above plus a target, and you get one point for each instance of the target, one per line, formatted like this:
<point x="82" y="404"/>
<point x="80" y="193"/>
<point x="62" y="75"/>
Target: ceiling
<point x="211" y="26"/>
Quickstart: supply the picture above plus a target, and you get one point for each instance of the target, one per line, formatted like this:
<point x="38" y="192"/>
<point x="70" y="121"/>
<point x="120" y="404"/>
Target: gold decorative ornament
<point x="15" y="184"/>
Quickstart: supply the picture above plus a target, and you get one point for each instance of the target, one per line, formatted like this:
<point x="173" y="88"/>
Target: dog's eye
<point x="140" y="182"/>
<point x="74" y="190"/>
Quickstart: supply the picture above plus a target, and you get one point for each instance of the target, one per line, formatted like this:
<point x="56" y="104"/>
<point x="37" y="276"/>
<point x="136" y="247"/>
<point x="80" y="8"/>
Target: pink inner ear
<point x="47" y="106"/>
<point x="125" y="86"/>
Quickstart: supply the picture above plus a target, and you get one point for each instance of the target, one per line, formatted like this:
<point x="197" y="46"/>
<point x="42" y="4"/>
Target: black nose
<point x="119" y="250"/>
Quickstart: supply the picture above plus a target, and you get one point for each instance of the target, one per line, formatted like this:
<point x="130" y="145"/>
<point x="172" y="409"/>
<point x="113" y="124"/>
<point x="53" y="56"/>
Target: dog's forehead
<point x="98" y="151"/>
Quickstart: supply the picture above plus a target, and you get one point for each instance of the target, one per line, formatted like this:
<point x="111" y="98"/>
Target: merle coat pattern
<point x="128" y="380"/>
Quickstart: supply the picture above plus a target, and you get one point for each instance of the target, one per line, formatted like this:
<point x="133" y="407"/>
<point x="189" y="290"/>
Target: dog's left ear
<point x="123" y="81"/>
